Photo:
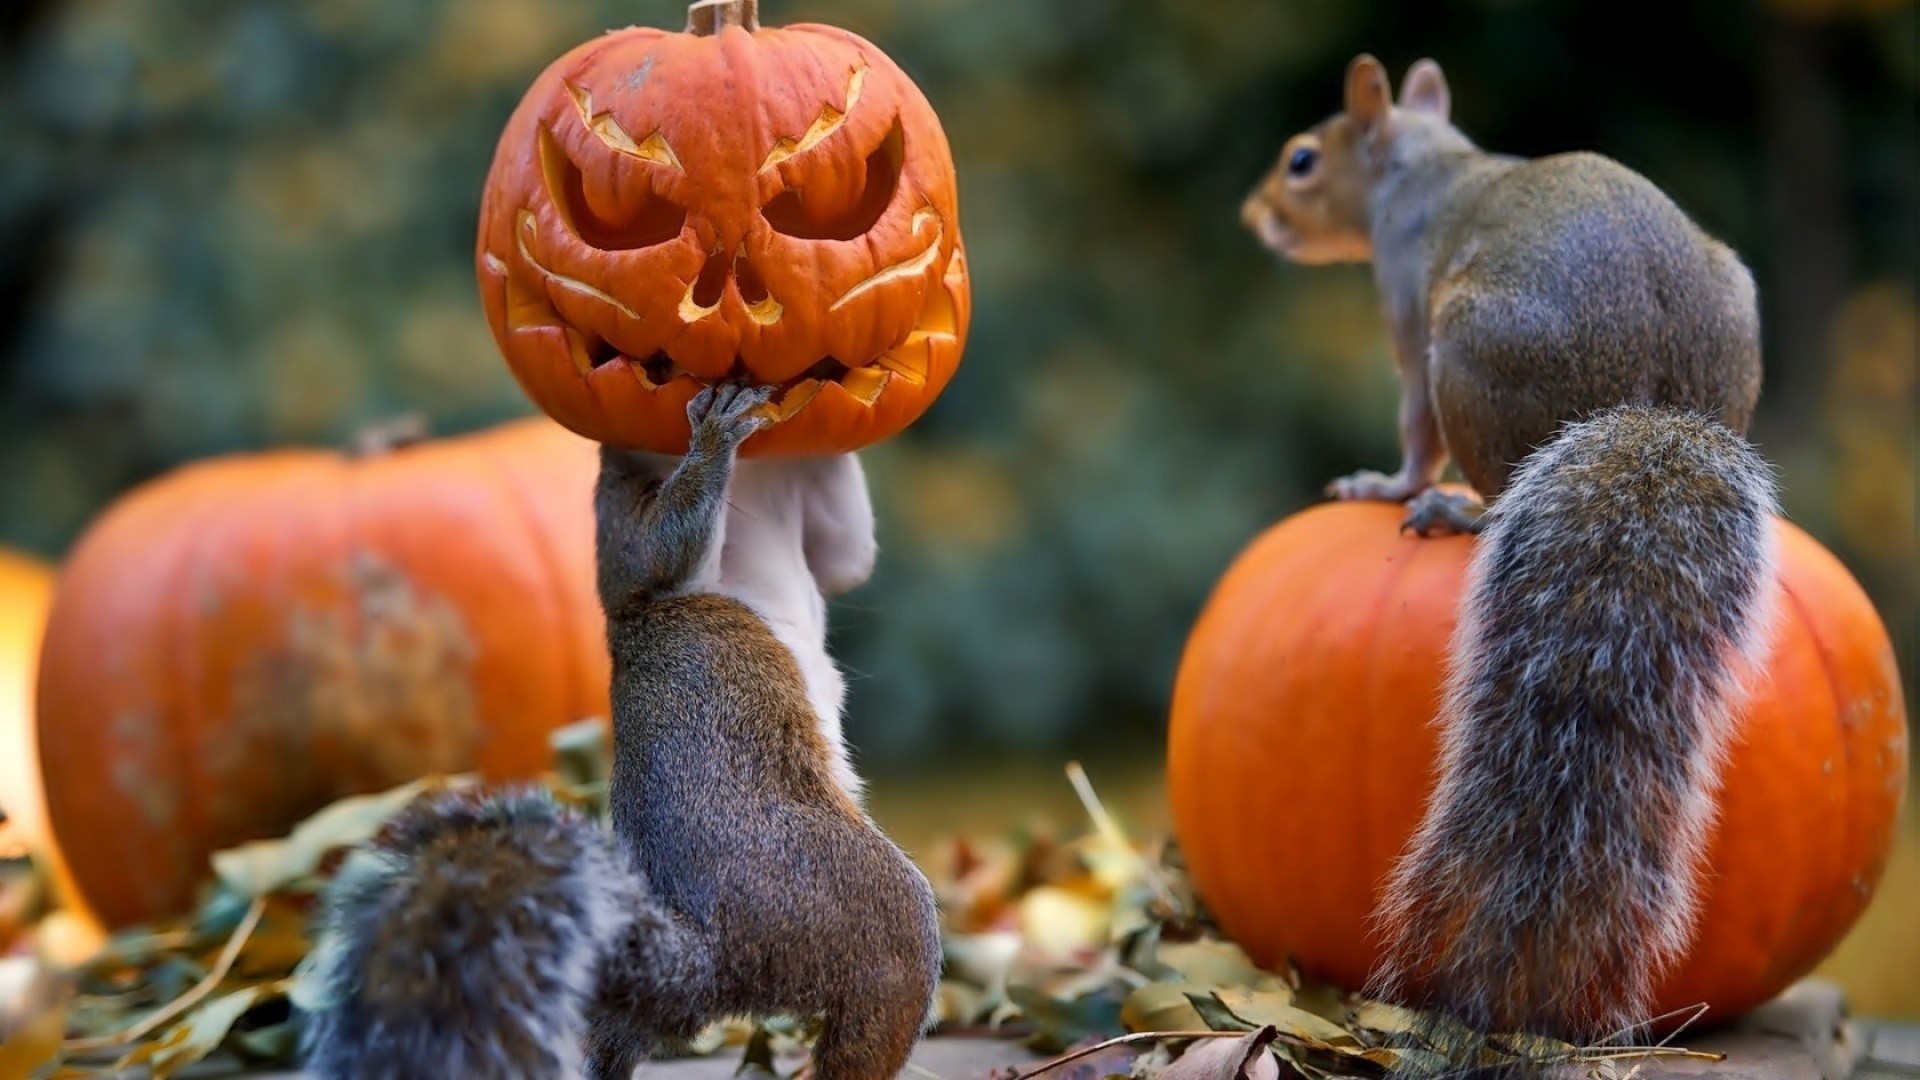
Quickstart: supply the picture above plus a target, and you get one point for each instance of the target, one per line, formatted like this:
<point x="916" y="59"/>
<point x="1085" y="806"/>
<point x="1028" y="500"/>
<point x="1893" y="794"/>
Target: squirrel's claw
<point x="723" y="414"/>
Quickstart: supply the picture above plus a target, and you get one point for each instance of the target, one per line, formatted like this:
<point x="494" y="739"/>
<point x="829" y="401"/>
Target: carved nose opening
<point x="752" y="289"/>
<point x="712" y="280"/>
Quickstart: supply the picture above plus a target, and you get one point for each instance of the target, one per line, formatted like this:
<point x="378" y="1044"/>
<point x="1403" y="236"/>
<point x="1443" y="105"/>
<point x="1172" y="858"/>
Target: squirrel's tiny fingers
<point x="748" y="398"/>
<point x="701" y="404"/>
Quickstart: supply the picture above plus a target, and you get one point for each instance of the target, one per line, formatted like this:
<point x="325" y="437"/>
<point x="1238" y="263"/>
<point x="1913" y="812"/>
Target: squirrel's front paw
<point x="1375" y="487"/>
<point x="722" y="415"/>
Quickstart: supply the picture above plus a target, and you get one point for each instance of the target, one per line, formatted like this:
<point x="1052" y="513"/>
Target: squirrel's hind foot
<point x="1439" y="512"/>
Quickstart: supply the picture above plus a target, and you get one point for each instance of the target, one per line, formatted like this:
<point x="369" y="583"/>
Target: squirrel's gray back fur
<point x="1620" y="593"/>
<point x="466" y="941"/>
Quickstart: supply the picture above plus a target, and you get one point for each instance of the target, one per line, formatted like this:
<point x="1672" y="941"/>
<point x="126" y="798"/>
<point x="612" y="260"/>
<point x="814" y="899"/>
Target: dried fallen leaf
<point x="1212" y="963"/>
<point x="199" y="1034"/>
<point x="266" y="866"/>
<point x="1061" y="920"/>
<point x="1160" y="1007"/>
<point x="1245" y="1058"/>
<point x="1274" y="1008"/>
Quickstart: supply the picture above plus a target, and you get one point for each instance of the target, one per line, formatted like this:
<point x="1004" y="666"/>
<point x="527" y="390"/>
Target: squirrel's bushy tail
<point x="466" y="941"/>
<point x="1622" y="587"/>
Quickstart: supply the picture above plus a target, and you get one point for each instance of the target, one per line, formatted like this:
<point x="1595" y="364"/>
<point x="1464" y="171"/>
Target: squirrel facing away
<point x="1591" y="359"/>
<point x="503" y="938"/>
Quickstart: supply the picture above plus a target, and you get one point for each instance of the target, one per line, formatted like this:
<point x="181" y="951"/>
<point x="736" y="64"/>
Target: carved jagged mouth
<point x="865" y="383"/>
<point x="908" y="362"/>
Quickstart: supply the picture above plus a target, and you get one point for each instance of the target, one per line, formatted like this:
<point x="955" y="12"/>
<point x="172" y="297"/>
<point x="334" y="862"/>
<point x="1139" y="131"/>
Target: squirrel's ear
<point x="1425" y="90"/>
<point x="1368" y="96"/>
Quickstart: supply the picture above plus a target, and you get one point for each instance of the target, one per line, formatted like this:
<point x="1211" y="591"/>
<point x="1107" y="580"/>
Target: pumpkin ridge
<point x="1796" y="913"/>
<point x="504" y="476"/>
<point x="188" y="725"/>
<point x="1375" y="676"/>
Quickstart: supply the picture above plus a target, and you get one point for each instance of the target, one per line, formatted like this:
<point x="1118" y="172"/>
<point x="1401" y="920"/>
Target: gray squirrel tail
<point x="1622" y="588"/>
<point x="466" y="940"/>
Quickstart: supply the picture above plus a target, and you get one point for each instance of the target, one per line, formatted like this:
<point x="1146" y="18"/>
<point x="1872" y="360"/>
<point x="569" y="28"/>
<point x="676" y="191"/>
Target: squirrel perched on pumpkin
<point x="1591" y="360"/>
<point x="503" y="938"/>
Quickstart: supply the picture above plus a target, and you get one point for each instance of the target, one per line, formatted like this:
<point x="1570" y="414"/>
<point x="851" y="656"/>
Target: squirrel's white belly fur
<point x="763" y="564"/>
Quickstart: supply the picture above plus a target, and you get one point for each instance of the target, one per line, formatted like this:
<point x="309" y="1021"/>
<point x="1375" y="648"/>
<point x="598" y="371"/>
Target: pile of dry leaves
<point x="1093" y="948"/>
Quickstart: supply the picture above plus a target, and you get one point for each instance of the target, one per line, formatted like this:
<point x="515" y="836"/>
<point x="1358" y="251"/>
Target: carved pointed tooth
<point x="866" y="383"/>
<point x="909" y="361"/>
<point x="798" y="396"/>
<point x="577" y="347"/>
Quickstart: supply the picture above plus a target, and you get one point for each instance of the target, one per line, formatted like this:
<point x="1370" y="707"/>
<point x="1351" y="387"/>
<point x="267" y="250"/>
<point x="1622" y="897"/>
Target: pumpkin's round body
<point x="1303" y="744"/>
<point x="666" y="210"/>
<point x="26" y="591"/>
<point x="236" y="644"/>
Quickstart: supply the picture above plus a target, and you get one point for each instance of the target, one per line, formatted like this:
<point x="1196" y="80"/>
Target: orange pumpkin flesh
<point x="236" y="644"/>
<point x="666" y="210"/>
<point x="1302" y="743"/>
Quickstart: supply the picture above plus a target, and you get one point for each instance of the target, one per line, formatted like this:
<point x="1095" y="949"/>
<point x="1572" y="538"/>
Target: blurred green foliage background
<point x="229" y="224"/>
<point x="226" y="224"/>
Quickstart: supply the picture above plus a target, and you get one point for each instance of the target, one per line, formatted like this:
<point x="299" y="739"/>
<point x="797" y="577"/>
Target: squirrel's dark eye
<point x="1302" y="161"/>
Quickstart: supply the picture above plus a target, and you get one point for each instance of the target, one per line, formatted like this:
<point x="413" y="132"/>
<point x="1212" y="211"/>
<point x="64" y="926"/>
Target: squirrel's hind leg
<point x="873" y="1039"/>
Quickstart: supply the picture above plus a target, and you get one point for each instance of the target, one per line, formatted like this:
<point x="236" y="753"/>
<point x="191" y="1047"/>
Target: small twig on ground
<point x="1138" y="1036"/>
<point x="1697" y="1011"/>
<point x="1110" y="829"/>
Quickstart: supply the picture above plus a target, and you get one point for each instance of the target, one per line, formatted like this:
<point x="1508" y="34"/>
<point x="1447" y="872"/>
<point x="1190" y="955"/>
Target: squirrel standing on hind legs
<point x="503" y="938"/>
<point x="1591" y="359"/>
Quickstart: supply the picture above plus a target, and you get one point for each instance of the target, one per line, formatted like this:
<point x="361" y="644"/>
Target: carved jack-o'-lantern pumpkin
<point x="670" y="209"/>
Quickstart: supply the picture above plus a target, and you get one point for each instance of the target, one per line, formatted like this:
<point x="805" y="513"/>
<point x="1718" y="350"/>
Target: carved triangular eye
<point x="828" y="211"/>
<point x="639" y="222"/>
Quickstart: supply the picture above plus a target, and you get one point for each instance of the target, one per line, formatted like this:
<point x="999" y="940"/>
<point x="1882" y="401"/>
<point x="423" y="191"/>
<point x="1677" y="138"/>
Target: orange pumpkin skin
<point x="26" y="591"/>
<point x="240" y="642"/>
<point x="1302" y="745"/>
<point x="669" y="209"/>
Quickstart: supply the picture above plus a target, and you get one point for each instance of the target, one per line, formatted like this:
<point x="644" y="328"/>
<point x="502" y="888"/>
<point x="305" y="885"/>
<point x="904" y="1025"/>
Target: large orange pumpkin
<point x="240" y="642"/>
<point x="26" y="591"/>
<point x="1302" y="747"/>
<point x="670" y="209"/>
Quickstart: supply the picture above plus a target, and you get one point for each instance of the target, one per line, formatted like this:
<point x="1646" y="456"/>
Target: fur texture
<point x="465" y="941"/>
<point x="742" y="876"/>
<point x="1519" y="294"/>
<point x="1625" y="564"/>
<point x="1621" y="590"/>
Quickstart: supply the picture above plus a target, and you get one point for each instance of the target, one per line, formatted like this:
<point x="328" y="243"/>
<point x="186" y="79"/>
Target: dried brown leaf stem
<point x="1111" y="831"/>
<point x="185" y="1001"/>
<point x="1138" y="1036"/>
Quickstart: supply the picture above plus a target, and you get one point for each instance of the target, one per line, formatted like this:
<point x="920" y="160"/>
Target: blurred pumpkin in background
<point x="1302" y="745"/>
<point x="670" y="209"/>
<point x="240" y="642"/>
<point x="26" y="591"/>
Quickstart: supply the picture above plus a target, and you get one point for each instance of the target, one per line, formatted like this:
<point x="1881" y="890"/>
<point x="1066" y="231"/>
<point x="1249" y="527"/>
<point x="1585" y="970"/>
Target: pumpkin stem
<point x="708" y="17"/>
<point x="386" y="436"/>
